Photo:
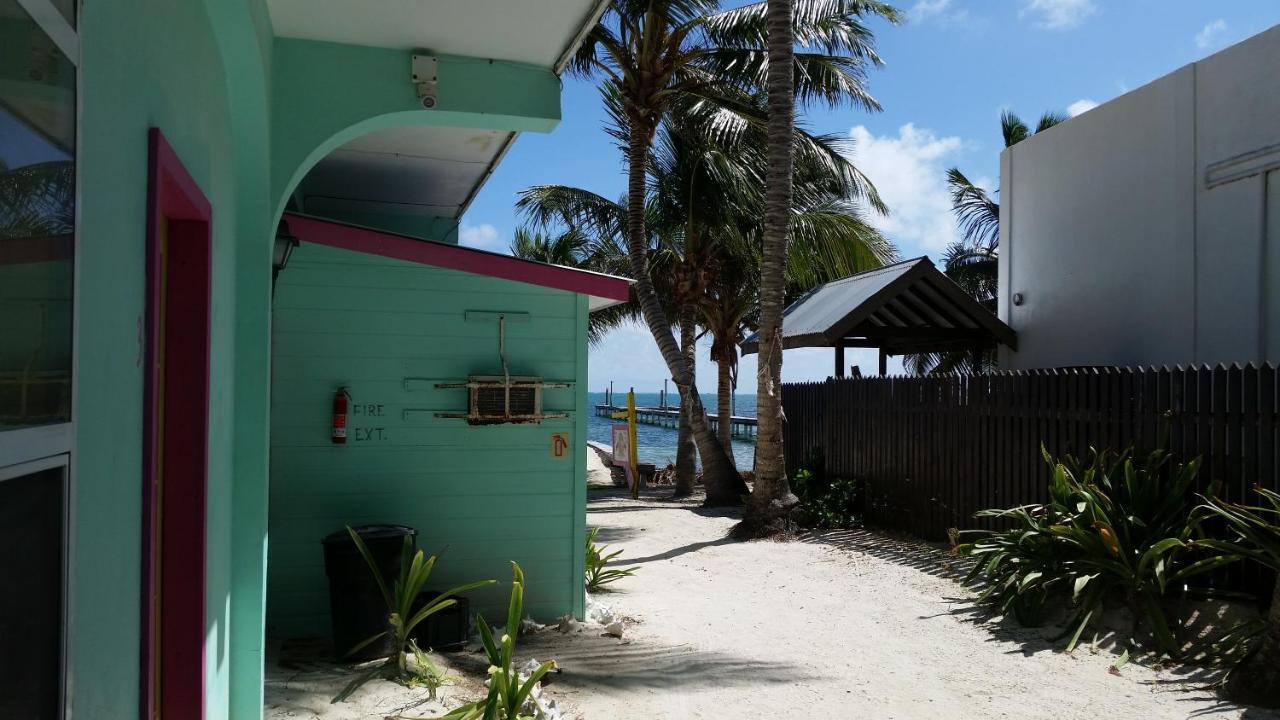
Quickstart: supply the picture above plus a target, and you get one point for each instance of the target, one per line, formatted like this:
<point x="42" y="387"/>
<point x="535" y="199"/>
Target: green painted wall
<point x="199" y="72"/>
<point x="147" y="63"/>
<point x="208" y="75"/>
<point x="489" y="494"/>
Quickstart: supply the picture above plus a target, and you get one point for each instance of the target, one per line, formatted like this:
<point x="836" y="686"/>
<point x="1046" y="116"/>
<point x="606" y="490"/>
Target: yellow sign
<point x="560" y="446"/>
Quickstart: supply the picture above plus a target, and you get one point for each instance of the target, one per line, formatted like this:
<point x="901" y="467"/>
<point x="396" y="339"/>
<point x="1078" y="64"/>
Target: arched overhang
<point x="325" y="95"/>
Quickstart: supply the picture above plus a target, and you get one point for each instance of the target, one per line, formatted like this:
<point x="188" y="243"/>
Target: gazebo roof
<point x="906" y="307"/>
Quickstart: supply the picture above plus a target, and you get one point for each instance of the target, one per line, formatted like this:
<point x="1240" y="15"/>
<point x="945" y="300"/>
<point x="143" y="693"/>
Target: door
<point x="176" y="432"/>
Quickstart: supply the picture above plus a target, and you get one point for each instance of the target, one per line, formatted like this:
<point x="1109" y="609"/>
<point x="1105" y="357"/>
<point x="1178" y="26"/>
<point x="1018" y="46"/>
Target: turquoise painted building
<point x="213" y="215"/>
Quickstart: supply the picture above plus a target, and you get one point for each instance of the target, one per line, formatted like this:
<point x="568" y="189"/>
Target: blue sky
<point x="949" y="71"/>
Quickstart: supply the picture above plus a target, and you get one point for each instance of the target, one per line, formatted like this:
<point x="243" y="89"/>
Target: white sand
<point x="848" y="625"/>
<point x="843" y="625"/>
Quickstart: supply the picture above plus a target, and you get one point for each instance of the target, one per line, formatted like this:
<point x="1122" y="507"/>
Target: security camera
<point x="423" y="74"/>
<point x="427" y="95"/>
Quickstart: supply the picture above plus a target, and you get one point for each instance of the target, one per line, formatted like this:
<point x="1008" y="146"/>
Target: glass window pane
<point x="31" y="612"/>
<point x="37" y="223"/>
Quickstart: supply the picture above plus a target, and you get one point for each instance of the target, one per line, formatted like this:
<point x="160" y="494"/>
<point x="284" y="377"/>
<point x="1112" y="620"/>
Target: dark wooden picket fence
<point x="932" y="451"/>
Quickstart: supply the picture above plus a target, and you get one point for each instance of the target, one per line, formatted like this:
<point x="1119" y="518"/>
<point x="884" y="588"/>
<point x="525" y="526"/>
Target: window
<point x="32" y="517"/>
<point x="38" y="51"/>
<point x="37" y="223"/>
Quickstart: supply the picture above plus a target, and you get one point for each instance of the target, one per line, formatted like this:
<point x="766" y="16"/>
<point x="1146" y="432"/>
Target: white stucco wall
<point x="1147" y="231"/>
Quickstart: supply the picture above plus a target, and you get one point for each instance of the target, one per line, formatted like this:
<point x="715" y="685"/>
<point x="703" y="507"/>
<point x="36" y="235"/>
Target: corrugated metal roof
<point x="909" y="306"/>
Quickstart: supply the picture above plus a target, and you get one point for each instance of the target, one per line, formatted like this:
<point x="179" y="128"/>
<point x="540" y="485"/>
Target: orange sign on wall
<point x="559" y="445"/>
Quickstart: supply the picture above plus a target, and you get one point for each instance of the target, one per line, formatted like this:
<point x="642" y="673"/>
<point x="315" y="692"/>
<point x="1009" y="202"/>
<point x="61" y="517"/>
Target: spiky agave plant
<point x="1253" y="532"/>
<point x="507" y="693"/>
<point x="1114" y="528"/>
<point x="598" y="575"/>
<point x="399" y="596"/>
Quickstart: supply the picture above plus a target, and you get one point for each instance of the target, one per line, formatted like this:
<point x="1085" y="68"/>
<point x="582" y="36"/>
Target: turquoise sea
<point x="656" y="444"/>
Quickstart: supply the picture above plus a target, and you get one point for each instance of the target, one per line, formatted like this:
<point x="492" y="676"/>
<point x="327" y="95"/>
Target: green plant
<point x="597" y="574"/>
<point x="1113" y="529"/>
<point x="1252" y="532"/>
<point x="425" y="672"/>
<point x="508" y="693"/>
<point x="824" y="502"/>
<point x="399" y="597"/>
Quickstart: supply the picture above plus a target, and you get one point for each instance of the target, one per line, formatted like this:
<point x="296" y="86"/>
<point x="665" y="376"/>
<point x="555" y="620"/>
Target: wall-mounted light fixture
<point x="285" y="243"/>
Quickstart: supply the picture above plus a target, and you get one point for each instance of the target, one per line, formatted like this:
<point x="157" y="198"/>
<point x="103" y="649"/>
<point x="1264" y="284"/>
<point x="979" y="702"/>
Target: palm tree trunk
<point x="1256" y="680"/>
<point x="723" y="483"/>
<point x="686" y="452"/>
<point x="724" y="396"/>
<point x="772" y="494"/>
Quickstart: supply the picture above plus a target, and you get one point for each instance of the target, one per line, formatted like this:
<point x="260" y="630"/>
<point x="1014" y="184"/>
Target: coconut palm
<point x="704" y="190"/>
<point x="601" y="223"/>
<point x="661" y="54"/>
<point x="973" y="261"/>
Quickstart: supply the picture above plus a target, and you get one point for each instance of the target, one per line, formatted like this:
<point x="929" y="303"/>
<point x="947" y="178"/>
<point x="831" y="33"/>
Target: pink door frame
<point x="175" y="438"/>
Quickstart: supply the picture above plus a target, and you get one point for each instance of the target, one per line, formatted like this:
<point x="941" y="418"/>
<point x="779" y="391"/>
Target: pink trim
<point x="177" y="517"/>
<point x="454" y="257"/>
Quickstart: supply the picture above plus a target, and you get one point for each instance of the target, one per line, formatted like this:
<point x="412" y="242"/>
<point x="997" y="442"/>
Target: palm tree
<point x="570" y="248"/>
<point x="704" y="187"/>
<point x="600" y="224"/>
<point x="661" y="54"/>
<point x="973" y="261"/>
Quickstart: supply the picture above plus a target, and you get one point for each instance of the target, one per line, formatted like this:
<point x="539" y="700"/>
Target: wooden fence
<point x="932" y="451"/>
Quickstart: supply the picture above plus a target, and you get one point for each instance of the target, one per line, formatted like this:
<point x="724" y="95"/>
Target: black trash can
<point x="446" y="629"/>
<point x="356" y="607"/>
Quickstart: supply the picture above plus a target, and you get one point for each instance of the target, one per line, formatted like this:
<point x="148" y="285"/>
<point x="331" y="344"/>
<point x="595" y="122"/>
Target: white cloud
<point x="909" y="170"/>
<point x="483" y="236"/>
<point x="937" y="10"/>
<point x="1058" y="14"/>
<point x="928" y="8"/>
<point x="1212" y="35"/>
<point x="1083" y="105"/>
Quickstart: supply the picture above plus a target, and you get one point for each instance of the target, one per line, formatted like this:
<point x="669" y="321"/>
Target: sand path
<point x="845" y="625"/>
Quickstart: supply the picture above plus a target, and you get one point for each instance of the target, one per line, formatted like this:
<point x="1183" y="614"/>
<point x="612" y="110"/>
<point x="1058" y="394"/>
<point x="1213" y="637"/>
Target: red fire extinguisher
<point x="340" y="400"/>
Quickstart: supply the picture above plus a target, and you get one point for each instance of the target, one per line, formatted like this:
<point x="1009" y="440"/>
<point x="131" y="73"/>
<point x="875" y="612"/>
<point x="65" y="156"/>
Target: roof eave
<point x="601" y="289"/>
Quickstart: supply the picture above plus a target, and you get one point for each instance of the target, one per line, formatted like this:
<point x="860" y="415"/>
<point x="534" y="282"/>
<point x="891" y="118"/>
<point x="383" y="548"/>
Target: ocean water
<point x="657" y="444"/>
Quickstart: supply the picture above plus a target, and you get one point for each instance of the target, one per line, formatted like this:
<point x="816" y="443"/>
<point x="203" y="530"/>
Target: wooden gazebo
<point x="906" y="307"/>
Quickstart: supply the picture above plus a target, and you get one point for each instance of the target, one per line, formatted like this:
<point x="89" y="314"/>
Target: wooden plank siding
<point x="932" y="451"/>
<point x="483" y="495"/>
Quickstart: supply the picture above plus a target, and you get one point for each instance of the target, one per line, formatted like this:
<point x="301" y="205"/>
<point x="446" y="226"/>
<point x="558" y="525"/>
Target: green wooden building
<point x="213" y="215"/>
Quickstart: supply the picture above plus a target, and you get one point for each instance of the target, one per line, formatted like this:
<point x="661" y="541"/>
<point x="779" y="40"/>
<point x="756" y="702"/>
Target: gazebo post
<point x="839" y="359"/>
<point x="884" y="362"/>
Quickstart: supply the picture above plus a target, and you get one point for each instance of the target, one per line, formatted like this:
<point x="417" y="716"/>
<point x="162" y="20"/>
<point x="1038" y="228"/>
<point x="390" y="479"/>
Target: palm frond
<point x="1012" y="128"/>
<point x="1050" y="119"/>
<point x="976" y="213"/>
<point x="831" y="25"/>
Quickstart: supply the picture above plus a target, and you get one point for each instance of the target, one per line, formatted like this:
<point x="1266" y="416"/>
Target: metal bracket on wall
<point x="495" y="316"/>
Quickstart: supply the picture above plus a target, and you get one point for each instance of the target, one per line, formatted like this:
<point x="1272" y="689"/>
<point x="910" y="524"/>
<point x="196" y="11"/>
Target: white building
<point x="1147" y="231"/>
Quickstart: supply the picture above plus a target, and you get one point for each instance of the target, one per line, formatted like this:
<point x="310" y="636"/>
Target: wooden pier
<point x="670" y="417"/>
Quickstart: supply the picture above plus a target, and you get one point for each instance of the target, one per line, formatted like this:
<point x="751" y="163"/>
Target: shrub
<point x="508" y="692"/>
<point x="1253" y="532"/>
<point x="838" y="504"/>
<point x="597" y="558"/>
<point x="399" y="596"/>
<point x="1113" y="529"/>
<point x="826" y="502"/>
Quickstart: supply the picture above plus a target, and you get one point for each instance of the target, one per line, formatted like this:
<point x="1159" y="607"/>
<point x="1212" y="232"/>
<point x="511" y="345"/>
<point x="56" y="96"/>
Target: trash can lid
<point x="371" y="532"/>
